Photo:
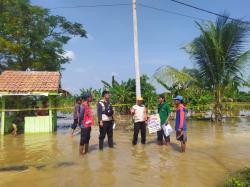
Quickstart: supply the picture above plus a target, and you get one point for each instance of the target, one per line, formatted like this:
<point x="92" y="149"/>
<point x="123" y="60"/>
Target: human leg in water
<point x="110" y="134"/>
<point x="86" y="148"/>
<point x="143" y="132"/>
<point x="183" y="147"/>
<point x="102" y="130"/>
<point x="136" y="132"/>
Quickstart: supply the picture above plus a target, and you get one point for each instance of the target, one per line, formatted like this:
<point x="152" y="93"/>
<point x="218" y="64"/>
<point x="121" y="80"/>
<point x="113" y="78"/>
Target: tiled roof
<point x="29" y="81"/>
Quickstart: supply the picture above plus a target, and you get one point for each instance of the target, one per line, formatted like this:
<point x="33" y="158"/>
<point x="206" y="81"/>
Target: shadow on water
<point x="20" y="168"/>
<point x="175" y="146"/>
<point x="151" y="142"/>
<point x="94" y="147"/>
<point x="64" y="164"/>
<point x="14" y="168"/>
<point x="39" y="167"/>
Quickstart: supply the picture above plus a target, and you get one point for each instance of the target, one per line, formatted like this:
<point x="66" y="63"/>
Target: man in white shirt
<point x="139" y="113"/>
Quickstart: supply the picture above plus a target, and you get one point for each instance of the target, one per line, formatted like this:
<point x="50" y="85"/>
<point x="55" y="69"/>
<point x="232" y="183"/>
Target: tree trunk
<point x="218" y="105"/>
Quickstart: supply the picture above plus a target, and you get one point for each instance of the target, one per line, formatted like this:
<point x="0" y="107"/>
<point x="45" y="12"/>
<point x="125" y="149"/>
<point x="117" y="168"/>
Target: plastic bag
<point x="167" y="129"/>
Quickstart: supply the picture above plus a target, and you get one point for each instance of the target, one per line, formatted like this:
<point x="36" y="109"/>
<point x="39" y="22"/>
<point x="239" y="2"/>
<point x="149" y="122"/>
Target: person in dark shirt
<point x="105" y="119"/>
<point x="76" y="114"/>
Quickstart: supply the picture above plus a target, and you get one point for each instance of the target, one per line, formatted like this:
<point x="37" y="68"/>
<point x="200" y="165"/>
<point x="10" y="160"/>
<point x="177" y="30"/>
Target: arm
<point x="99" y="112"/>
<point x="169" y="113"/>
<point x="81" y="114"/>
<point x="132" y="111"/>
<point x="146" y="114"/>
<point x="182" y="116"/>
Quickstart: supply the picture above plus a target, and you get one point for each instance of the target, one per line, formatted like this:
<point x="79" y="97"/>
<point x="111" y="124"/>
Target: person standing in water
<point x="164" y="112"/>
<point x="180" y="122"/>
<point x="105" y="119"/>
<point x="139" y="113"/>
<point x="86" y="121"/>
<point x="76" y="115"/>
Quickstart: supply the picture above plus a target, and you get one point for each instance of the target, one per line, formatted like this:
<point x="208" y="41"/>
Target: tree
<point x="30" y="37"/>
<point x="220" y="56"/>
<point x="173" y="80"/>
<point x="186" y="82"/>
<point x="96" y="93"/>
<point x="124" y="92"/>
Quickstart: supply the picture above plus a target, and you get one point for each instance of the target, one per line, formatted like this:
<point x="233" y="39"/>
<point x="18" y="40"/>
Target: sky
<point x="108" y="50"/>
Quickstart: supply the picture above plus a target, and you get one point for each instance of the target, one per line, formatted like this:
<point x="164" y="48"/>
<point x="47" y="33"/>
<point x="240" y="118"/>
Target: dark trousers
<point x="160" y="135"/>
<point x="74" y="125"/>
<point x="137" y="127"/>
<point x="107" y="128"/>
<point x="85" y="135"/>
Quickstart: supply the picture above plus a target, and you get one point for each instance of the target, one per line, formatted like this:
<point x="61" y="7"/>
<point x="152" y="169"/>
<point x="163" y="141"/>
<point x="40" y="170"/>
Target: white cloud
<point x="69" y="54"/>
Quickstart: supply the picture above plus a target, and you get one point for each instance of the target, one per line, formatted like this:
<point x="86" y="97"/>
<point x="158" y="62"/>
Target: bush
<point x="239" y="179"/>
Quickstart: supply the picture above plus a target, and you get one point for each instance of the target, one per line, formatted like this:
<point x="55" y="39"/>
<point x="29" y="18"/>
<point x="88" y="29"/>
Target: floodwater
<point x="213" y="152"/>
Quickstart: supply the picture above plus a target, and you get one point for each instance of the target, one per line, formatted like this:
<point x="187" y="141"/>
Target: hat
<point x="178" y="97"/>
<point x="139" y="98"/>
<point x="105" y="92"/>
<point x="86" y="95"/>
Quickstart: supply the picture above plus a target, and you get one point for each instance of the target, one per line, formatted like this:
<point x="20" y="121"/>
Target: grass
<point x="239" y="179"/>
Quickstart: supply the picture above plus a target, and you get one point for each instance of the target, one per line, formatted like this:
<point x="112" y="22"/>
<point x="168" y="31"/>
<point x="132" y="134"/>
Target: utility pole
<point x="136" y="52"/>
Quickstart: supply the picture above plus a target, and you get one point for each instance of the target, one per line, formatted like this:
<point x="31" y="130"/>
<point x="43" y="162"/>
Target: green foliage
<point x="96" y="93"/>
<point x="243" y="97"/>
<point x="124" y="92"/>
<point x="220" y="57"/>
<point x="239" y="179"/>
<point x="30" y="37"/>
<point x="184" y="82"/>
<point x="173" y="80"/>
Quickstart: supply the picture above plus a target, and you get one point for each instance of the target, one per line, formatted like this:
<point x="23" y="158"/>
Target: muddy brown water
<point x="213" y="152"/>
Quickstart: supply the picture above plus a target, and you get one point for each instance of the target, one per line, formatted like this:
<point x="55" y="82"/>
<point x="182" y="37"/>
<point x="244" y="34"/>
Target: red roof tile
<point x="29" y="81"/>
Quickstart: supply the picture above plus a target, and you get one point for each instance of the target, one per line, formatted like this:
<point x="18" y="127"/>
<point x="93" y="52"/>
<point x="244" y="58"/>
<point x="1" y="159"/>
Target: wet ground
<point x="213" y="151"/>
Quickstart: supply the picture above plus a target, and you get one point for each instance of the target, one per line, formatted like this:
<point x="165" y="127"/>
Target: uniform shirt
<point x="139" y="113"/>
<point x="164" y="111"/>
<point x="104" y="113"/>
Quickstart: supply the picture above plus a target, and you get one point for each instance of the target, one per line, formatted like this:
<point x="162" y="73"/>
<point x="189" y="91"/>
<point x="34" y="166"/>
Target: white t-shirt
<point x="138" y="113"/>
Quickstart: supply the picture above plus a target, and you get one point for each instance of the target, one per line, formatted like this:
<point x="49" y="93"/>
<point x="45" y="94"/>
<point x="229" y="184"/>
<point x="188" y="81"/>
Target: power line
<point x="171" y="12"/>
<point x="93" y="6"/>
<point x="208" y="11"/>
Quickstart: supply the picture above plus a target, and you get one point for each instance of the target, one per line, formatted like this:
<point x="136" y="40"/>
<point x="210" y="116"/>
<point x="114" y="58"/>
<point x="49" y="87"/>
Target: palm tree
<point x="220" y="55"/>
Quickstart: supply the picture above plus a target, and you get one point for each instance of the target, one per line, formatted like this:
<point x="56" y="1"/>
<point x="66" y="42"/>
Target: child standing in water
<point x="180" y="122"/>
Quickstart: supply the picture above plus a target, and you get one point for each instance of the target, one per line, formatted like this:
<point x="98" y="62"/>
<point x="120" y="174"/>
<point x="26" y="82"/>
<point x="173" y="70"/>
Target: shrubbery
<point x="239" y="179"/>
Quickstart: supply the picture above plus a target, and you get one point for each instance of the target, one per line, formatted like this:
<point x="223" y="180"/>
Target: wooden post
<point x="50" y="114"/>
<point x="3" y="116"/>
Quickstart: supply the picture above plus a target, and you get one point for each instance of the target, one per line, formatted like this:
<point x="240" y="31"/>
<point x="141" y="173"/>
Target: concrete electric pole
<point x="136" y="52"/>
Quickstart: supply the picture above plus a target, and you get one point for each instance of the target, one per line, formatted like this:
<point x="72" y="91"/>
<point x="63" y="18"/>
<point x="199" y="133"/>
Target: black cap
<point x="105" y="92"/>
<point x="86" y="95"/>
<point x="162" y="96"/>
